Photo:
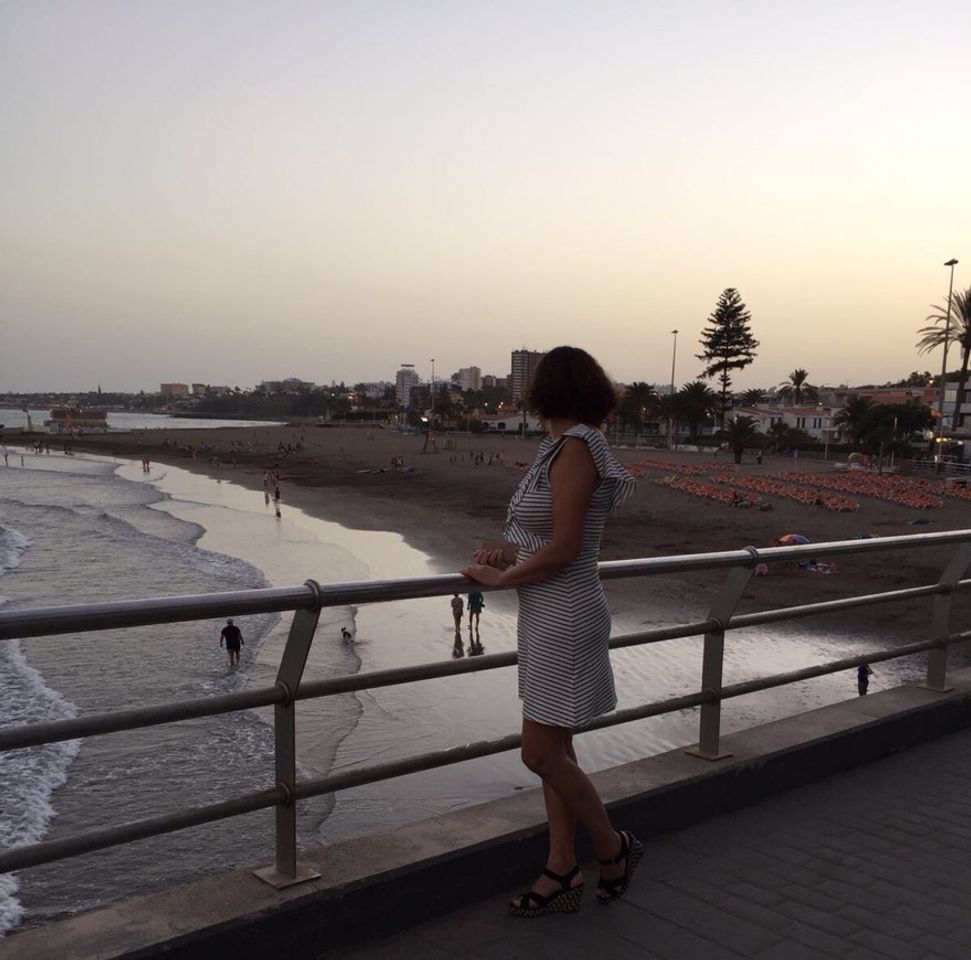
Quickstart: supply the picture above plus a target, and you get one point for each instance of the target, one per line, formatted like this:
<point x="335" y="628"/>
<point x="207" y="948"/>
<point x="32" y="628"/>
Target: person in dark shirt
<point x="863" y="674"/>
<point x="233" y="641"/>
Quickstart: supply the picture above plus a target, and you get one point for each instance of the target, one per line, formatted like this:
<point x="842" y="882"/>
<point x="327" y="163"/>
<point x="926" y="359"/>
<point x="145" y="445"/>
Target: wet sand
<point x="447" y="503"/>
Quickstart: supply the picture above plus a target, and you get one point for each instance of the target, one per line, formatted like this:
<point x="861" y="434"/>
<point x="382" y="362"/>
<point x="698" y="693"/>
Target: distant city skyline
<point x="222" y="190"/>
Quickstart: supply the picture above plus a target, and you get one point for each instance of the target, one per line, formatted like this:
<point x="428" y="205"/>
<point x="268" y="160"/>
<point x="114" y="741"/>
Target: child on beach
<point x="458" y="608"/>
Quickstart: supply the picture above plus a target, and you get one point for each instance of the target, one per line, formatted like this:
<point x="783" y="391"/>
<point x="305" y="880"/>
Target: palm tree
<point x="739" y="433"/>
<point x="778" y="433"/>
<point x="670" y="408"/>
<point x="751" y="397"/>
<point x="959" y="331"/>
<point x="697" y="402"/>
<point x="797" y="387"/>
<point x="855" y="419"/>
<point x="638" y="400"/>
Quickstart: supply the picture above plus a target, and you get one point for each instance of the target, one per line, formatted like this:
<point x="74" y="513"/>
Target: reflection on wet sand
<point x="475" y="644"/>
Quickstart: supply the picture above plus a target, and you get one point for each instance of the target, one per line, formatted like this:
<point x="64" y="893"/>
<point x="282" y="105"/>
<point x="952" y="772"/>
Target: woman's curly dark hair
<point x="569" y="383"/>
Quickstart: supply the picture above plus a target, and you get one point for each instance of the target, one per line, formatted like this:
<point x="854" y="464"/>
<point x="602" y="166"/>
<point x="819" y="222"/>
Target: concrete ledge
<point x="385" y="881"/>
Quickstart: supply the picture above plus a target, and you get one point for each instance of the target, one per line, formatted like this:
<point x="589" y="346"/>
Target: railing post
<point x="286" y="871"/>
<point x="709" y="731"/>
<point x="941" y="619"/>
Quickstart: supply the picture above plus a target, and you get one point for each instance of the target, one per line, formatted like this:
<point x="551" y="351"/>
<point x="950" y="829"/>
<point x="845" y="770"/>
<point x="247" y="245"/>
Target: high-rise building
<point x="524" y="364"/>
<point x="405" y="380"/>
<point x="469" y="378"/>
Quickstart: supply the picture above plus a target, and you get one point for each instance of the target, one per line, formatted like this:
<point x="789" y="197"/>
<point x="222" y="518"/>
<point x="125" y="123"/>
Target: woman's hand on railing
<point x="484" y="574"/>
<point x="488" y="556"/>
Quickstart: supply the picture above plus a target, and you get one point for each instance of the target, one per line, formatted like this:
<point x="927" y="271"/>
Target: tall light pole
<point x="674" y="357"/>
<point x="940" y="400"/>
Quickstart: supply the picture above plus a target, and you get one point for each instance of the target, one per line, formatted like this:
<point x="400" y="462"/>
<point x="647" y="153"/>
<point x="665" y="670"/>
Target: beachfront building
<point x="289" y="385"/>
<point x="406" y="382"/>
<point x="895" y="395"/>
<point x="524" y="364"/>
<point x="950" y="399"/>
<point x="374" y="390"/>
<point x="817" y="421"/>
<point x="174" y="390"/>
<point x="511" y="422"/>
<point x="468" y="378"/>
<point x="200" y="389"/>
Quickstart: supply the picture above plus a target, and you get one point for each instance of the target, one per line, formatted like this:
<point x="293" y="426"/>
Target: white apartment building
<point x="817" y="421"/>
<point x="512" y="423"/>
<point x="405" y="380"/>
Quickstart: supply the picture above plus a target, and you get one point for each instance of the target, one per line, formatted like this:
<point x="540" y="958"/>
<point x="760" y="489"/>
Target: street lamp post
<point x="674" y="356"/>
<point x="940" y="400"/>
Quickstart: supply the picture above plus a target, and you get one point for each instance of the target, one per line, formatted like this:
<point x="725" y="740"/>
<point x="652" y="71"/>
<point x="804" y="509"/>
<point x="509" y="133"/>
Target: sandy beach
<point x="447" y="501"/>
<point x="95" y="530"/>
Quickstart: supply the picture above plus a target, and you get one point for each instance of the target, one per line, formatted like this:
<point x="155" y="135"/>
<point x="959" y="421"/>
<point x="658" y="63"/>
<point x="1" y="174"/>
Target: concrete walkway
<point x="871" y="863"/>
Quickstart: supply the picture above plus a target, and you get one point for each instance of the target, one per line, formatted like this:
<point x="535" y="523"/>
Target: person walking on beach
<point x="276" y="500"/>
<point x="232" y="639"/>
<point x="863" y="674"/>
<point x="476" y="603"/>
<point x="557" y="516"/>
<point x="458" y="609"/>
<point x="6" y="454"/>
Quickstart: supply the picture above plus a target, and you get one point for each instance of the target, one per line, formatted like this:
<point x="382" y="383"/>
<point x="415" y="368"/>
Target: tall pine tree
<point x="727" y="343"/>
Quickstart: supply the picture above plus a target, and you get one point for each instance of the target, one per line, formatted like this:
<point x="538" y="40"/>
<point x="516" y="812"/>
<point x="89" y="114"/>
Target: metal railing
<point x="308" y="600"/>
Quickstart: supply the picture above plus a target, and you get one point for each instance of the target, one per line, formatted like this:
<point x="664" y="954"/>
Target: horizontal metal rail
<point x="19" y="859"/>
<point x="30" y="735"/>
<point x="307" y="600"/>
<point x="472" y="751"/>
<point x="51" y="850"/>
<point x="80" y="618"/>
<point x="34" y="734"/>
<point x="85" y="617"/>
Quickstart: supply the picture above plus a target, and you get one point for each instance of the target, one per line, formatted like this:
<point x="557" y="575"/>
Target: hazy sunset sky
<point x="228" y="191"/>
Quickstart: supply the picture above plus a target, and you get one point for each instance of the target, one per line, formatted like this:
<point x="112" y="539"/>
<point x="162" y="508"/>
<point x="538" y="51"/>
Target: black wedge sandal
<point x="565" y="900"/>
<point x="631" y="851"/>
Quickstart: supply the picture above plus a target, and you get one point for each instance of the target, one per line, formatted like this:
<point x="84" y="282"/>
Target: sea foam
<point x="27" y="777"/>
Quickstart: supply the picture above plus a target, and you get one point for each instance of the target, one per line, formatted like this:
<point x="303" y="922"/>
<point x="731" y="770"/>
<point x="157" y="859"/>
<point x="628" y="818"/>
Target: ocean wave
<point x="27" y="777"/>
<point x="13" y="546"/>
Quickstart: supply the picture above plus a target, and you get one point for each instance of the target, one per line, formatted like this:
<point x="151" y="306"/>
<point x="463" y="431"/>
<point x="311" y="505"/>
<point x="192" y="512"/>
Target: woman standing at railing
<point x="555" y="522"/>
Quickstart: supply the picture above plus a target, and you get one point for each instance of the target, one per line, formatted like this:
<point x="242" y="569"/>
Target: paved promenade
<point x="871" y="863"/>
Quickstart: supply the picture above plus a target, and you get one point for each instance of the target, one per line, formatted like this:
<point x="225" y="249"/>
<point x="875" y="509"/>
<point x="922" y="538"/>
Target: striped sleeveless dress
<point x="565" y="679"/>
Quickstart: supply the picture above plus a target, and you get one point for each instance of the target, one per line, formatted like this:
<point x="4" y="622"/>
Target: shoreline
<point x="443" y="508"/>
<point x="449" y="503"/>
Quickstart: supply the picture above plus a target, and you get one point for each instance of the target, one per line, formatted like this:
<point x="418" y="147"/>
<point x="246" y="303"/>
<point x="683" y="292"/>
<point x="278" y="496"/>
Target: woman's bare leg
<point x="562" y="822"/>
<point x="570" y="797"/>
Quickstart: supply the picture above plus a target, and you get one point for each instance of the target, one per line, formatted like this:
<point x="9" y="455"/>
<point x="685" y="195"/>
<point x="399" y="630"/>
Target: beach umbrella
<point x="791" y="539"/>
